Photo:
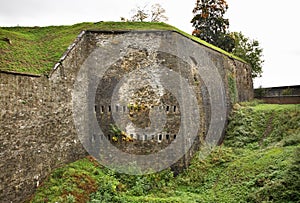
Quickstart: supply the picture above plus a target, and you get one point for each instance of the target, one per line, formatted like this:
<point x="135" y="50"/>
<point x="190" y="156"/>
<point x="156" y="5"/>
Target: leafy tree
<point x="250" y="51"/>
<point x="210" y="24"/>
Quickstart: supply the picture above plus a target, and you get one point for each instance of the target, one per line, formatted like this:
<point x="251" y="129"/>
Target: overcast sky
<point x="273" y="23"/>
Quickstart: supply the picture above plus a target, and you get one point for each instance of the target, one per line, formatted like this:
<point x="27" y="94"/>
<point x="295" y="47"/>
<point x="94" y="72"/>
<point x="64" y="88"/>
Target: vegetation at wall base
<point x="259" y="161"/>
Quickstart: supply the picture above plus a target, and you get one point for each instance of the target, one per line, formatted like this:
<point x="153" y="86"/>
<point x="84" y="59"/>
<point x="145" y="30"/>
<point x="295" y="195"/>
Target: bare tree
<point x="156" y="14"/>
<point x="140" y="14"/>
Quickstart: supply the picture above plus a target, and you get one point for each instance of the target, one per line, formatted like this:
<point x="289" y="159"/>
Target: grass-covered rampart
<point x="37" y="49"/>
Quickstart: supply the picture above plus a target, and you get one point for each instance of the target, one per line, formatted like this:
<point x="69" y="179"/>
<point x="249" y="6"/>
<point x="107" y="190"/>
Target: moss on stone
<point x="232" y="88"/>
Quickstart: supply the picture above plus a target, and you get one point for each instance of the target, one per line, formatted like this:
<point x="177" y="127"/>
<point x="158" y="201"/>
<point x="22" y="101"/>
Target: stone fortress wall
<point x="279" y="95"/>
<point x="38" y="133"/>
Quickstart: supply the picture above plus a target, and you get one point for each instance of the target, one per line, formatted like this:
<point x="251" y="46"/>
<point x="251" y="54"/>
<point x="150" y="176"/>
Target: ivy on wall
<point x="232" y="88"/>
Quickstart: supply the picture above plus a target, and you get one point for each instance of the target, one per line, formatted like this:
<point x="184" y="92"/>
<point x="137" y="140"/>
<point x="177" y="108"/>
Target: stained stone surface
<point x="167" y="92"/>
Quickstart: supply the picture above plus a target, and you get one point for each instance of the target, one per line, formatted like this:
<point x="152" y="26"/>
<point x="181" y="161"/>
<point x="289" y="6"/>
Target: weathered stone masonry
<point x="37" y="131"/>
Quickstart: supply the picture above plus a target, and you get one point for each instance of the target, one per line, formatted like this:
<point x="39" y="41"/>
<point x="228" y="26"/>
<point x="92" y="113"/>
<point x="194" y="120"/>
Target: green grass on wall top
<point x="36" y="49"/>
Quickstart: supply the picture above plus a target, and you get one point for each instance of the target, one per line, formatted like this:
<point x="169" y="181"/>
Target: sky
<point x="273" y="23"/>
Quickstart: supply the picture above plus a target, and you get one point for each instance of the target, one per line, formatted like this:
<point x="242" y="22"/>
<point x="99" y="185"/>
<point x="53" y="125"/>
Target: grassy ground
<point x="37" y="49"/>
<point x="259" y="161"/>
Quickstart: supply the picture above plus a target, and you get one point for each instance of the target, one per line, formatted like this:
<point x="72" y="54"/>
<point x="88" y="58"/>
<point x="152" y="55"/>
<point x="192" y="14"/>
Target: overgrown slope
<point x="37" y="49"/>
<point x="259" y="161"/>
